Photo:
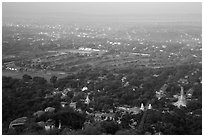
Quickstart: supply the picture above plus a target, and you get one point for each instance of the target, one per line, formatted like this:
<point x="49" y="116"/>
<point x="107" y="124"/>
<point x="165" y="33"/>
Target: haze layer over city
<point x="104" y="68"/>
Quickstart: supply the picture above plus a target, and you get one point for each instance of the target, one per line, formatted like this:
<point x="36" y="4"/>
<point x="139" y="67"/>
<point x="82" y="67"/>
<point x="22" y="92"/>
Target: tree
<point x="70" y="119"/>
<point x="110" y="127"/>
<point x="53" y="80"/>
<point x="39" y="80"/>
<point x="126" y="132"/>
<point x="27" y="78"/>
<point x="92" y="129"/>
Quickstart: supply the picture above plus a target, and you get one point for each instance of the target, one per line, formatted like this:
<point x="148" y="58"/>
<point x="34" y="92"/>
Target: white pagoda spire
<point x="181" y="100"/>
<point x="142" y="107"/>
<point x="182" y="93"/>
<point x="60" y="124"/>
<point x="150" y="106"/>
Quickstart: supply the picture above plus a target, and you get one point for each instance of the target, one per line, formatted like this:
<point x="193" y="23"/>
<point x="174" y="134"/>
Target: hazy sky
<point x="101" y="11"/>
<point x="102" y="8"/>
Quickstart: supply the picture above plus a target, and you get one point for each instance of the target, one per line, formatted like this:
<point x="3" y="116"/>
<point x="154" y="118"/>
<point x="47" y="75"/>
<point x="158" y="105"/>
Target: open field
<point x="46" y="75"/>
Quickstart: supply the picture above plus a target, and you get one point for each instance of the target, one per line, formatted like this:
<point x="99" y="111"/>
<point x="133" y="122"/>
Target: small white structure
<point x="181" y="100"/>
<point x="50" y="124"/>
<point x="161" y="93"/>
<point x="134" y="110"/>
<point x="149" y="106"/>
<point x="60" y="124"/>
<point x="142" y="107"/>
<point x="118" y="121"/>
<point x="123" y="79"/>
<point x="63" y="104"/>
<point x="126" y="84"/>
<point x="50" y="109"/>
<point x="84" y="89"/>
<point x="72" y="105"/>
<point x="79" y="110"/>
<point x="155" y="75"/>
<point x="87" y="100"/>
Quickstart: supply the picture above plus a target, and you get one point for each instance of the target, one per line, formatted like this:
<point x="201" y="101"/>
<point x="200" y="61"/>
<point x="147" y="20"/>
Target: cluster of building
<point x="48" y="125"/>
<point x="182" y="100"/>
<point x="10" y="66"/>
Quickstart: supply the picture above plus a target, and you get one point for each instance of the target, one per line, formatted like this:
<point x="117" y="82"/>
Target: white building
<point x="149" y="106"/>
<point x="142" y="107"/>
<point x="84" y="89"/>
<point x="87" y="100"/>
<point x="181" y="100"/>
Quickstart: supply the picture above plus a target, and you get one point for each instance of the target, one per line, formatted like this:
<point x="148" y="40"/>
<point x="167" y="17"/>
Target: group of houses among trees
<point x="99" y="102"/>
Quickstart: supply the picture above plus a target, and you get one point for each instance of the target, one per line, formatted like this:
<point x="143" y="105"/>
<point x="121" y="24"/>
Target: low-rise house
<point x="97" y="116"/>
<point x="134" y="88"/>
<point x="123" y="79"/>
<point x="91" y="109"/>
<point x="189" y="93"/>
<point x="86" y="124"/>
<point x="141" y="86"/>
<point x="159" y="133"/>
<point x="63" y="104"/>
<point x="64" y="93"/>
<point x="104" y="116"/>
<point x="122" y="108"/>
<point x="55" y="91"/>
<point x="161" y="93"/>
<point x="63" y="96"/>
<point x="133" y="123"/>
<point x="102" y="77"/>
<point x="50" y="124"/>
<point x="50" y="109"/>
<point x="89" y="81"/>
<point x="183" y="81"/>
<point x="49" y="96"/>
<point x="176" y="96"/>
<point x="87" y="100"/>
<point x="41" y="124"/>
<point x="66" y="90"/>
<point x="110" y="110"/>
<point x="72" y="105"/>
<point x="189" y="113"/>
<point x="155" y="75"/>
<point x="84" y="89"/>
<point x="126" y="84"/>
<point x="200" y="78"/>
<point x="108" y="116"/>
<point x="134" y="110"/>
<point x="186" y="77"/>
<point x="90" y="114"/>
<point x="39" y="113"/>
<point x="79" y="110"/>
<point x="164" y="87"/>
<point x="119" y="121"/>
